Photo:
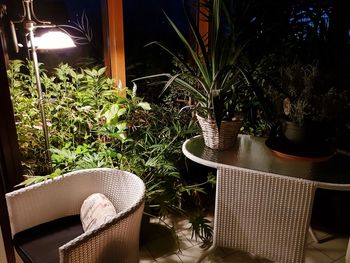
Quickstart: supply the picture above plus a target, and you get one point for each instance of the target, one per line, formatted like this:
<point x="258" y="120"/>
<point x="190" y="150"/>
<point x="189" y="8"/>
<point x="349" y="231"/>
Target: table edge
<point x="211" y="164"/>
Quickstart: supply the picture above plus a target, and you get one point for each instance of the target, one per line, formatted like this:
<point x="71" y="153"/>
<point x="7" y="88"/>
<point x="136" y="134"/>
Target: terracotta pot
<point x="219" y="140"/>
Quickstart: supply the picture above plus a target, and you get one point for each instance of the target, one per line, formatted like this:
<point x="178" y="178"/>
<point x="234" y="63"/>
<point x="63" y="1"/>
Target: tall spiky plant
<point x="212" y="75"/>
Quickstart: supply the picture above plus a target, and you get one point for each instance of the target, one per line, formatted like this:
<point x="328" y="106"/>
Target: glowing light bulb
<point x="53" y="40"/>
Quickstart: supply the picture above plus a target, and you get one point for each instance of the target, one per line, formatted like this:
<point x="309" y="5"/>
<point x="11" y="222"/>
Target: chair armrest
<point x="115" y="241"/>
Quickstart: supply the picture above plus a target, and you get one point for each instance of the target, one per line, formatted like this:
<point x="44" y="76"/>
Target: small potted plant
<point x="310" y="112"/>
<point x="213" y="77"/>
<point x="297" y="83"/>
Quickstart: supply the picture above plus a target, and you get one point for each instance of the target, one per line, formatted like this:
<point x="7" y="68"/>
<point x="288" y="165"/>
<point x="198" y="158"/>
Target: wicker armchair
<point x="41" y="204"/>
<point x="263" y="214"/>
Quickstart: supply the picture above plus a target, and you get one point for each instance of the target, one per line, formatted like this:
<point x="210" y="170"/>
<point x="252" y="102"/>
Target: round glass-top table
<point x="252" y="153"/>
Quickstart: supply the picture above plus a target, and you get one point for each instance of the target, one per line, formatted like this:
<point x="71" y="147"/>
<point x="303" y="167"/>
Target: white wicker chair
<point x="115" y="241"/>
<point x="263" y="214"/>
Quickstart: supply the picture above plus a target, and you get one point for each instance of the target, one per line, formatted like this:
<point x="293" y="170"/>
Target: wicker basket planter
<point x="222" y="140"/>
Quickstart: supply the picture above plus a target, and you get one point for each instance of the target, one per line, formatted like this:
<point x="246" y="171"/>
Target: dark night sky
<point x="143" y="20"/>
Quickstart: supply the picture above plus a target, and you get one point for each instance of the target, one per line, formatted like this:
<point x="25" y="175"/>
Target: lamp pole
<point x="30" y="27"/>
<point x="40" y="98"/>
<point x="31" y="23"/>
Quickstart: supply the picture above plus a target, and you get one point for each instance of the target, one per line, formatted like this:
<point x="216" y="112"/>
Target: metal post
<point x="40" y="97"/>
<point x="31" y="23"/>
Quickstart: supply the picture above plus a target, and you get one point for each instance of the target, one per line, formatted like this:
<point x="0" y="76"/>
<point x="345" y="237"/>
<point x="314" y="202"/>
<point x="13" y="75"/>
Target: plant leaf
<point x="144" y="105"/>
<point x="112" y="113"/>
<point x="198" y="37"/>
<point x="121" y="112"/>
<point x="179" y="59"/>
<point x="203" y="70"/>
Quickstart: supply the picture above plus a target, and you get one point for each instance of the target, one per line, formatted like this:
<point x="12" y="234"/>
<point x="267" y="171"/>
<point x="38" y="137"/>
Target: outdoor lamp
<point x="53" y="39"/>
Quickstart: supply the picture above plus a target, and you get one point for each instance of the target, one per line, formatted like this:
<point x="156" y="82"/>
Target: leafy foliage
<point x="298" y="83"/>
<point x="213" y="77"/>
<point x="83" y="28"/>
<point x="93" y="124"/>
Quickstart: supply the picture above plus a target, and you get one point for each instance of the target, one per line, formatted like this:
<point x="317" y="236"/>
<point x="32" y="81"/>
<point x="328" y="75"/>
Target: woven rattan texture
<point x="64" y="196"/>
<point x="116" y="242"/>
<point x="263" y="214"/>
<point x="223" y="139"/>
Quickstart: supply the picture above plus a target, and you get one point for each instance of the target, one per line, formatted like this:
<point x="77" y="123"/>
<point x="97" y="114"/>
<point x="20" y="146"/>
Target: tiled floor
<point x="158" y="245"/>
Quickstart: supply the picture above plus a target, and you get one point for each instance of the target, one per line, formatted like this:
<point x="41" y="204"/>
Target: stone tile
<point x="154" y="220"/>
<point x="213" y="259"/>
<point x="227" y="251"/>
<point x="309" y="240"/>
<point x="184" y="242"/>
<point x="319" y="234"/>
<point x="334" y="248"/>
<point x="154" y="230"/>
<point x="315" y="256"/>
<point x="170" y="259"/>
<point x="162" y="246"/>
<point x="194" y="241"/>
<point x="188" y="234"/>
<point x="215" y="256"/>
<point x="191" y="254"/>
<point x="172" y="221"/>
<point x="183" y="225"/>
<point x="243" y="257"/>
<point x="144" y="260"/>
<point x="145" y="255"/>
<point x="159" y="240"/>
<point x="341" y="260"/>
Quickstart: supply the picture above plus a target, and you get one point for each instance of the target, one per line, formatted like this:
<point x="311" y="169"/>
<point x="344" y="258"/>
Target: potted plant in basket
<point x="213" y="76"/>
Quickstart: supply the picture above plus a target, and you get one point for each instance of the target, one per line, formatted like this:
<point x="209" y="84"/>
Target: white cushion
<point x="95" y="211"/>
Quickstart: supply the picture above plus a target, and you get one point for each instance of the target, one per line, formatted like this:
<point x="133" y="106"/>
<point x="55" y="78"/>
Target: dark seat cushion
<point x="41" y="243"/>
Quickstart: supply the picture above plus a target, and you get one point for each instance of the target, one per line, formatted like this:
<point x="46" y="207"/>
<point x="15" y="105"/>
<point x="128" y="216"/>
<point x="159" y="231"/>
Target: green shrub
<point x="92" y="124"/>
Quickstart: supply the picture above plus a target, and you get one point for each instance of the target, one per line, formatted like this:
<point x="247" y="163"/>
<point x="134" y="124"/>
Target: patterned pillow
<point x="95" y="211"/>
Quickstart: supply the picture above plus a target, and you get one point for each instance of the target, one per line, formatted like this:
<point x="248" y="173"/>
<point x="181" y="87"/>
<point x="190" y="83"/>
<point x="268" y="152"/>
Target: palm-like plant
<point x="213" y="76"/>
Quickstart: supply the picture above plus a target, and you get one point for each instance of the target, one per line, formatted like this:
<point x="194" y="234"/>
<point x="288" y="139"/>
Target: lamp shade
<point x="53" y="40"/>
